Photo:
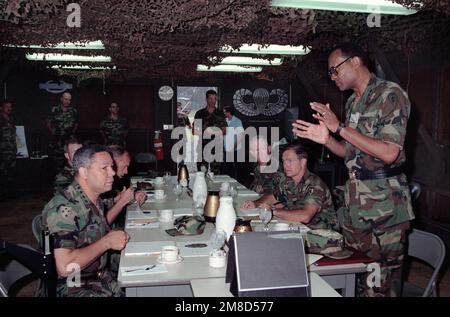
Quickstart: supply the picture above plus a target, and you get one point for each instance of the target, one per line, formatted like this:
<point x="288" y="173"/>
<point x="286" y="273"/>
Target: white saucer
<point x="180" y="258"/>
<point x="166" y="220"/>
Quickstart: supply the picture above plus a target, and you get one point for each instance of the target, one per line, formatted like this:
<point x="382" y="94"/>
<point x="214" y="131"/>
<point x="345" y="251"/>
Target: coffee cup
<point x="169" y="253"/>
<point x="159" y="193"/>
<point x="159" y="180"/>
<point x="166" y="215"/>
<point x="217" y="259"/>
<point x="281" y="226"/>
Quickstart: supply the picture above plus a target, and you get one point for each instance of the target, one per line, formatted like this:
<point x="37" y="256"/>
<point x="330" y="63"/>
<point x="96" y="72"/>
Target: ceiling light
<point x="93" y="45"/>
<point x="270" y="49"/>
<point x="366" y="6"/>
<point x="66" y="58"/>
<point x="245" y="60"/>
<point x="228" y="68"/>
<point x="81" y="67"/>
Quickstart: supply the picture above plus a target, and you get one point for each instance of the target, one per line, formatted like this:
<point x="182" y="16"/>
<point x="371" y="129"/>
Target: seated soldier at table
<point x="120" y="189"/>
<point x="267" y="166"/>
<point x="300" y="195"/>
<point x="81" y="231"/>
<point x="65" y="177"/>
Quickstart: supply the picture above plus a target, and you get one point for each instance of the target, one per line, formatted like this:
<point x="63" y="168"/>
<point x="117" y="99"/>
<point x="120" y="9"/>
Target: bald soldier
<point x="377" y="208"/>
<point x="81" y="230"/>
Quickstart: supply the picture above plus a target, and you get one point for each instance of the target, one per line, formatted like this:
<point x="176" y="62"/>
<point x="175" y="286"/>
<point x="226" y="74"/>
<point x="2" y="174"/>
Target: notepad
<point x="145" y="248"/>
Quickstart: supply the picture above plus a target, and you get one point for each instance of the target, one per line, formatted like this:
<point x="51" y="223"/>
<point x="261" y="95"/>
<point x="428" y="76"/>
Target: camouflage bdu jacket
<point x="63" y="124"/>
<point x="310" y="190"/>
<point x="114" y="130"/>
<point x="381" y="113"/>
<point x="215" y="119"/>
<point x="75" y="222"/>
<point x="64" y="178"/>
<point x="264" y="183"/>
<point x="8" y="145"/>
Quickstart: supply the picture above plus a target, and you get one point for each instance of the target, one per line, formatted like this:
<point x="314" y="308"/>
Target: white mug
<point x="169" y="253"/>
<point x="166" y="215"/>
<point x="159" y="193"/>
<point x="217" y="259"/>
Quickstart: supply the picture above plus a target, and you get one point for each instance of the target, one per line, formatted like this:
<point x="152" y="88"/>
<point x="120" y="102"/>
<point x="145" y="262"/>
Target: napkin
<point x="141" y="270"/>
<point x="146" y="248"/>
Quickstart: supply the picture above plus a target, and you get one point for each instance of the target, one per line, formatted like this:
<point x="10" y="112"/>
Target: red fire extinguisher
<point x="158" y="145"/>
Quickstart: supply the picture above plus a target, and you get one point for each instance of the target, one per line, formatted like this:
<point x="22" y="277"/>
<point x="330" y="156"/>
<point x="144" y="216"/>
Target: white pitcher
<point x="226" y="216"/>
<point x="199" y="188"/>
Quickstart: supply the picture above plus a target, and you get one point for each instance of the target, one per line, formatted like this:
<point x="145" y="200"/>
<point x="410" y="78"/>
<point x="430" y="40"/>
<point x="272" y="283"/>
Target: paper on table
<point x="249" y="212"/>
<point x="144" y="214"/>
<point x="312" y="258"/>
<point x="146" y="248"/>
<point x="247" y="192"/>
<point x="142" y="270"/>
<point x="142" y="225"/>
<point x="192" y="252"/>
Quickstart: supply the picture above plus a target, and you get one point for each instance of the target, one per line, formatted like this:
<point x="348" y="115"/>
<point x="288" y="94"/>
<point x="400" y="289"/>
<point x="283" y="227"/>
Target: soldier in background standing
<point x="62" y="125"/>
<point x="114" y="128"/>
<point x="8" y="149"/>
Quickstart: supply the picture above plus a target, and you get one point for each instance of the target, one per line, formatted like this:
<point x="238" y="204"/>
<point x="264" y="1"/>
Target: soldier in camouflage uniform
<point x="114" y="128"/>
<point x="299" y="195"/>
<point x="8" y="148"/>
<point x="62" y="124"/>
<point x="266" y="167"/>
<point x="81" y="231"/>
<point x="377" y="199"/>
<point x="210" y="117"/>
<point x="65" y="177"/>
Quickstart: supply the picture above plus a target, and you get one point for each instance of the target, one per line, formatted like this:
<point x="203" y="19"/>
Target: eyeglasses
<point x="333" y="69"/>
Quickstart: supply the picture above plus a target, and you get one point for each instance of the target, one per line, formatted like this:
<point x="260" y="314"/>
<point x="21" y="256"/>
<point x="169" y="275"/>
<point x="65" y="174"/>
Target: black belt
<point x="384" y="172"/>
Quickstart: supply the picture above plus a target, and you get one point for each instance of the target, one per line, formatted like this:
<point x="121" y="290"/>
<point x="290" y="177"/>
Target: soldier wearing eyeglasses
<point x="377" y="207"/>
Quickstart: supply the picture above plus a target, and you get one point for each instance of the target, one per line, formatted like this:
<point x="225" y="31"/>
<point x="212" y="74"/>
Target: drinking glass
<point x="178" y="190"/>
<point x="167" y="178"/>
<point x="265" y="214"/>
<point x="218" y="239"/>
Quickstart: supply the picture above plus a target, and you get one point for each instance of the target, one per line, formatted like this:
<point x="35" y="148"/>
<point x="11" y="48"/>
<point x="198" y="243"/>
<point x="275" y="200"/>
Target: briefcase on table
<point x="267" y="264"/>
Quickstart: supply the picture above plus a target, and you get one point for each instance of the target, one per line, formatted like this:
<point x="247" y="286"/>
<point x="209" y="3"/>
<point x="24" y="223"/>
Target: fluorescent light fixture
<point x="66" y="58"/>
<point x="228" y="68"/>
<point x="245" y="60"/>
<point x="366" y="6"/>
<point x="81" y="67"/>
<point x="270" y="49"/>
<point x="93" y="45"/>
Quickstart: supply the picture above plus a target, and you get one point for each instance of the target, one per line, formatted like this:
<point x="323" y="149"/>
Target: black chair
<point x="40" y="264"/>
<point x="13" y="275"/>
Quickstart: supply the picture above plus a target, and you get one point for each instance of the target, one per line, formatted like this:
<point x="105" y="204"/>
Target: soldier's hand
<point x="117" y="239"/>
<point x="325" y="115"/>
<point x="140" y="197"/>
<point x="127" y="195"/>
<point x="248" y="204"/>
<point x="315" y="132"/>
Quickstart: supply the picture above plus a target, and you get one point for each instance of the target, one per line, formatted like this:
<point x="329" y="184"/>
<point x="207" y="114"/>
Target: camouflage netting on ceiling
<point x="168" y="38"/>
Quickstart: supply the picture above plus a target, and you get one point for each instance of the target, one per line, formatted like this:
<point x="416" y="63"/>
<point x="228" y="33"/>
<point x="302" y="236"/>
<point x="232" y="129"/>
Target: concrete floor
<point x="15" y="226"/>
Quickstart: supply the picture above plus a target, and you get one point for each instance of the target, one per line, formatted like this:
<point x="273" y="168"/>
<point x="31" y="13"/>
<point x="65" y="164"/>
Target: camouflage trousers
<point x="7" y="169"/>
<point x="104" y="286"/>
<point x="386" y="246"/>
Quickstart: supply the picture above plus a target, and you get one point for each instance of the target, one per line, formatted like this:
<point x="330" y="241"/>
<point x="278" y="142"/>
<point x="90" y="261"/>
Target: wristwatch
<point x="339" y="128"/>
